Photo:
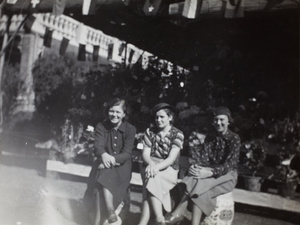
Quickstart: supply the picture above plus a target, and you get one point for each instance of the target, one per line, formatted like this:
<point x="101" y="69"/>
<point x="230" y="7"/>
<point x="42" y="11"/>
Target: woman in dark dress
<point x="114" y="140"/>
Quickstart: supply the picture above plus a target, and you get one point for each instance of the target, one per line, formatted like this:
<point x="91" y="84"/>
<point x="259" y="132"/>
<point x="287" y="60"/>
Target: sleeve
<point x="99" y="140"/>
<point x="178" y="140"/>
<point x="203" y="154"/>
<point x="147" y="140"/>
<point x="231" y="160"/>
<point x="125" y="153"/>
<point x="195" y="147"/>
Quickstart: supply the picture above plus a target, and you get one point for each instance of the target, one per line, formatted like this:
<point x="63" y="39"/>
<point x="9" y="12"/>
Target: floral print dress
<point x="221" y="153"/>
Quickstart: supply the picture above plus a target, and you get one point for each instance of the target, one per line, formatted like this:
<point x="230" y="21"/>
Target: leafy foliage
<point x="65" y="88"/>
<point x="286" y="132"/>
<point x="252" y="156"/>
<point x="68" y="89"/>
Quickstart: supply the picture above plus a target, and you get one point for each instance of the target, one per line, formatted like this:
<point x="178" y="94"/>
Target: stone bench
<point x="239" y="195"/>
<point x="223" y="214"/>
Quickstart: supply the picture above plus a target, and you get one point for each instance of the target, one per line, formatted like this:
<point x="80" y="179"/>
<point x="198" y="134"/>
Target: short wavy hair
<point x="170" y="110"/>
<point x="115" y="102"/>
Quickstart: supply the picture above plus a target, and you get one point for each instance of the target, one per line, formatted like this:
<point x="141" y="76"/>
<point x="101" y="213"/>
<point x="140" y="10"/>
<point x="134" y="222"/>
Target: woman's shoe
<point x="112" y="218"/>
<point x="170" y="219"/>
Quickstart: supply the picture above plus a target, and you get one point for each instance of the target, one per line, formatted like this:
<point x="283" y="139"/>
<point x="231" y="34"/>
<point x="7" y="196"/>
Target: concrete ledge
<point x="69" y="168"/>
<point x="266" y="200"/>
<point x="239" y="195"/>
<point x="83" y="170"/>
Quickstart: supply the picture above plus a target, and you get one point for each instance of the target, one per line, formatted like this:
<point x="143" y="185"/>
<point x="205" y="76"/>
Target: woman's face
<point x="162" y="119"/>
<point x="221" y="123"/>
<point x="116" y="114"/>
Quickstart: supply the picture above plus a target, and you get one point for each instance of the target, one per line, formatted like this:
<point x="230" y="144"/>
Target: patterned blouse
<point x="220" y="152"/>
<point x="161" y="147"/>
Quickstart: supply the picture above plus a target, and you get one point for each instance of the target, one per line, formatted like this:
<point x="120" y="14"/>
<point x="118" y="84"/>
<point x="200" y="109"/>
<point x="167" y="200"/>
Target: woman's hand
<point x="151" y="170"/>
<point x="108" y="160"/>
<point x="199" y="172"/>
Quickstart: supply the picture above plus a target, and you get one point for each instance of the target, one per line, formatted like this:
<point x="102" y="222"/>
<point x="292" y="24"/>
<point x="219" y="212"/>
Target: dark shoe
<point x="112" y="217"/>
<point x="170" y="219"/>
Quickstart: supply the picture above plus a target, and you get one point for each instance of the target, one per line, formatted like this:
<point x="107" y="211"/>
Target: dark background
<point x="260" y="52"/>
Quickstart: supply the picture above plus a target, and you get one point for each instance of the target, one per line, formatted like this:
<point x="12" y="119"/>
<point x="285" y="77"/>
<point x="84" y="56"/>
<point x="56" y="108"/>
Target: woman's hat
<point x="222" y="110"/>
<point x="160" y="106"/>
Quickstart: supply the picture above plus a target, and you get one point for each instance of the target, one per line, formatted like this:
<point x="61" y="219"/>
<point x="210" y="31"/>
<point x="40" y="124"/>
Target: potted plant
<point x="252" y="157"/>
<point x="85" y="143"/>
<point x="73" y="153"/>
<point x="285" y="134"/>
<point x="286" y="178"/>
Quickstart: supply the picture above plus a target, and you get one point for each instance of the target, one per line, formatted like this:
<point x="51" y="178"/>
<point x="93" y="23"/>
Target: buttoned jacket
<point x="116" y="142"/>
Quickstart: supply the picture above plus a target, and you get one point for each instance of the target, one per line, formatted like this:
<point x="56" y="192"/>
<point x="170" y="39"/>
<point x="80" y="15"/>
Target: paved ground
<point x="29" y="197"/>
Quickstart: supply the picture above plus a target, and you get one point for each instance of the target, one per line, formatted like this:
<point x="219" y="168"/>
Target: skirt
<point x="116" y="180"/>
<point x="203" y="192"/>
<point x="160" y="185"/>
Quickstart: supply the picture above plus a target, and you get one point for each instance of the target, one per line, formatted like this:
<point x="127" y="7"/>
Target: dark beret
<point x="222" y="110"/>
<point x="160" y="106"/>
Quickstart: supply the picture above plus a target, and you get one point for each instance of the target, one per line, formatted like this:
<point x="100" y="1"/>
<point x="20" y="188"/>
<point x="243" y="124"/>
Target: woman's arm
<point x="196" y="141"/>
<point x="151" y="169"/>
<point x="146" y="155"/>
<point x="107" y="160"/>
<point x="197" y="156"/>
<point x="170" y="159"/>
<point x="231" y="160"/>
<point x="99" y="140"/>
<point x="147" y="148"/>
<point x="200" y="172"/>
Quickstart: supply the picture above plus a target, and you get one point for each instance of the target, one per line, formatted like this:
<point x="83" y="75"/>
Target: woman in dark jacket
<point x="114" y="140"/>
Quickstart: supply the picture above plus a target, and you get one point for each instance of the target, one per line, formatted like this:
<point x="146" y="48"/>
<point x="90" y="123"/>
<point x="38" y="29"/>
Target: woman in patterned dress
<point x="162" y="145"/>
<point x="213" y="170"/>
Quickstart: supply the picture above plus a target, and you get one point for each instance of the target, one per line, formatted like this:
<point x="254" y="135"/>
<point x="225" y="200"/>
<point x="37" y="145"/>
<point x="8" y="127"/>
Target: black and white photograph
<point x="149" y="112"/>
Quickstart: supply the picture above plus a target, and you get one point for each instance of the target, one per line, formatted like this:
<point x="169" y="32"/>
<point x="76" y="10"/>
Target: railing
<point x="78" y="33"/>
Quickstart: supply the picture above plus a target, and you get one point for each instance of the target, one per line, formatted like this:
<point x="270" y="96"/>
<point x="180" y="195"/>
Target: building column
<point x="25" y="99"/>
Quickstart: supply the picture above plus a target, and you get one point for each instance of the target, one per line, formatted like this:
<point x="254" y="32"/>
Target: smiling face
<point x="221" y="123"/>
<point x="116" y="114"/>
<point x="162" y="119"/>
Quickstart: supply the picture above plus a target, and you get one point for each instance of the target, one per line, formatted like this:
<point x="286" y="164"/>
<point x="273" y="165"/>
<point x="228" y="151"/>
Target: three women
<point x="212" y="173"/>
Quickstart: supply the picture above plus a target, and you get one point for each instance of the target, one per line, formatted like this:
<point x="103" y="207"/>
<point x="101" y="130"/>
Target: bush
<point x="66" y="88"/>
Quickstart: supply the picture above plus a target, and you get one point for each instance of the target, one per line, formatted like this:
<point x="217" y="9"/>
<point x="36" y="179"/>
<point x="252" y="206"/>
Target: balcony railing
<point x="78" y="33"/>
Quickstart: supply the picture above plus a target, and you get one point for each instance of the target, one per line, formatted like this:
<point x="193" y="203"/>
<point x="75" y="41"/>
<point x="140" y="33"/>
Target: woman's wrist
<point x="104" y="154"/>
<point x="151" y="163"/>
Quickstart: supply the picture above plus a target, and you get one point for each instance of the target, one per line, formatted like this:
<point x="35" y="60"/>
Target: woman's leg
<point x="196" y="216"/>
<point x="108" y="198"/>
<point x="179" y="210"/>
<point x="98" y="209"/>
<point x="145" y="215"/>
<point x="156" y="205"/>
